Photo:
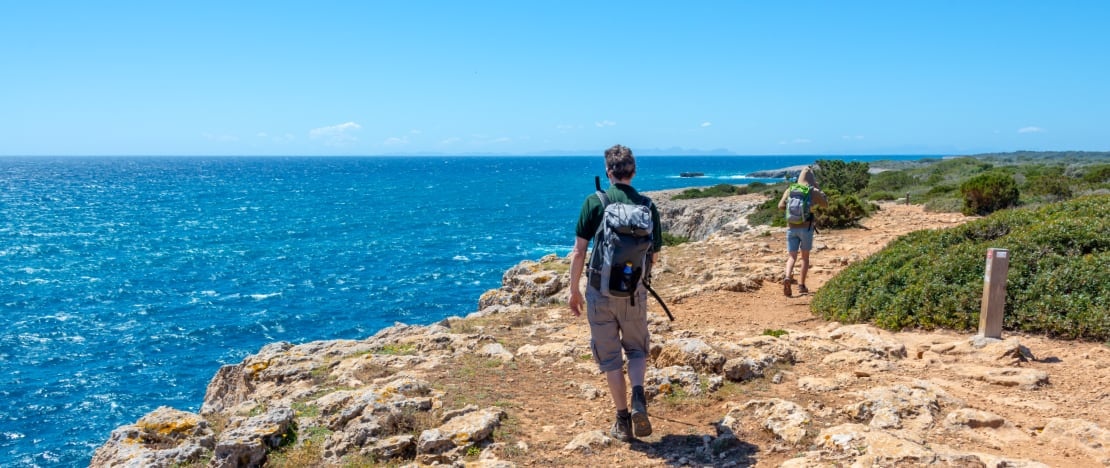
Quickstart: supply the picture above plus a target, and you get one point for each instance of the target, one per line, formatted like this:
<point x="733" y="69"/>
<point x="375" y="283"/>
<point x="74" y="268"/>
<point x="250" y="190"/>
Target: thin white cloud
<point x="336" y="134"/>
<point x="706" y="124"/>
<point x="396" y="141"/>
<point x="796" y="141"/>
<point x="501" y="140"/>
<point x="1030" y="130"/>
<point x="852" y="137"/>
<point x="214" y="137"/>
<point x="262" y="135"/>
<point x="450" y="141"/>
<point x="605" y="123"/>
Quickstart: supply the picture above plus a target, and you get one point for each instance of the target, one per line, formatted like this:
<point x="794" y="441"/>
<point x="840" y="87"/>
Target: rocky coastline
<point x="485" y="389"/>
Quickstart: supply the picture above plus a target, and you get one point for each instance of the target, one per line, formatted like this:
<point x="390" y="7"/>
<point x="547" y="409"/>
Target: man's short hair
<point x="620" y="162"/>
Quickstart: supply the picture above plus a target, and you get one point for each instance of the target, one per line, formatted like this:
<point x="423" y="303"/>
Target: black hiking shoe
<point x="786" y="287"/>
<point x="622" y="428"/>
<point x="641" y="425"/>
<point x="802" y="289"/>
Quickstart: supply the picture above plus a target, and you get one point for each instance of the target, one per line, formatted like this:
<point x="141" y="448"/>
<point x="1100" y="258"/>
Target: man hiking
<point x="797" y="201"/>
<point x="626" y="231"/>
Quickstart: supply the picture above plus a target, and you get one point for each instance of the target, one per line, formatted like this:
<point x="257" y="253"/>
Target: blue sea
<point x="126" y="282"/>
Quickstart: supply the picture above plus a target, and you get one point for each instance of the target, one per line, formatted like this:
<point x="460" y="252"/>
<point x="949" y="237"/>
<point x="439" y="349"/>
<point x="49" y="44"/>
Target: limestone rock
<point x="529" y="283"/>
<point x="668" y="380"/>
<point x="1083" y="435"/>
<point x="460" y="432"/>
<point x="164" y="437"/>
<point x="913" y="407"/>
<point x="691" y="352"/>
<point x="247" y="443"/>
<point x="699" y="218"/>
<point x="785" y="419"/>
<point x="496" y="351"/>
<point x="1028" y="379"/>
<point x="588" y="442"/>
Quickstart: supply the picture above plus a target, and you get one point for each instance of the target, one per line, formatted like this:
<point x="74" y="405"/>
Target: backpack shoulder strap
<point x="601" y="193"/>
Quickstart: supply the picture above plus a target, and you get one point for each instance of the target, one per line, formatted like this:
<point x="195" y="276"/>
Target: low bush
<point x="1058" y="283"/>
<point x="671" y="240"/>
<point x="890" y="181"/>
<point x="989" y="192"/>
<point x="768" y="213"/>
<point x="1097" y="174"/>
<point x="882" y="196"/>
<point x="720" y="190"/>
<point x="1049" y="185"/>
<point x="843" y="211"/>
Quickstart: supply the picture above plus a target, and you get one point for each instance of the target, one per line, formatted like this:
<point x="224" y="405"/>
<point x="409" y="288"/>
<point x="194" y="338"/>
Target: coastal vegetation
<point x="1057" y="285"/>
<point x="974" y="185"/>
<point x="978" y="184"/>
<point x="722" y="190"/>
<point x="1049" y="209"/>
<point x="671" y="240"/>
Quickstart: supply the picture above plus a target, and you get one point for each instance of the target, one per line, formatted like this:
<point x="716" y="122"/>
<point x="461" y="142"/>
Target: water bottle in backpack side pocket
<point x="626" y="277"/>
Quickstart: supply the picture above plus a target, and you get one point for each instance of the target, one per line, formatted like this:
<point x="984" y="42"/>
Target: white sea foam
<point x="259" y="297"/>
<point x="460" y="258"/>
<point x="61" y="316"/>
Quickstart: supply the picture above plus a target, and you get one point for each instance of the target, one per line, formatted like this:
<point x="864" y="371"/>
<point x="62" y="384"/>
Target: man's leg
<point x="606" y="346"/>
<point x="793" y="244"/>
<point x="641" y="425"/>
<point x="805" y="245"/>
<point x="793" y="257"/>
<point x="622" y="426"/>
<point x="789" y="273"/>
<point x="617" y="389"/>
<point x="805" y="266"/>
<point x="637" y="368"/>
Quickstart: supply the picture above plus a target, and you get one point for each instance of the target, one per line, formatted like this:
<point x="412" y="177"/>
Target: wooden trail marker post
<point x="994" y="293"/>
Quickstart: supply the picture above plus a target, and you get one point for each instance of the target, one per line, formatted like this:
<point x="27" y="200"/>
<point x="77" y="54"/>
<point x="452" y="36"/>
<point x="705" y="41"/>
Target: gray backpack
<point x="797" y="204"/>
<point x="622" y="244"/>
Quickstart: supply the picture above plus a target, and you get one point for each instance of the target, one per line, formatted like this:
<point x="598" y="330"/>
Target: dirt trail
<point x="552" y="403"/>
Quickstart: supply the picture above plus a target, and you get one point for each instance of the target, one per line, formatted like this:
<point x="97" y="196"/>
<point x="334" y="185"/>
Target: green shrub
<point x="989" y="192"/>
<point x="942" y="189"/>
<point x="881" y="196"/>
<point x="720" y="190"/>
<point x="843" y="177"/>
<point x="843" y="211"/>
<point x="1057" y="284"/>
<point x="1097" y="174"/>
<point x="944" y="205"/>
<point x="673" y="240"/>
<point x="1050" y="185"/>
<point x="890" y="181"/>
<point x="768" y="213"/>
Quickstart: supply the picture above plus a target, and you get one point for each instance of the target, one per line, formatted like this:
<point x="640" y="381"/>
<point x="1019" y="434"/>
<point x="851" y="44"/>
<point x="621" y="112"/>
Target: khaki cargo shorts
<point x="616" y="325"/>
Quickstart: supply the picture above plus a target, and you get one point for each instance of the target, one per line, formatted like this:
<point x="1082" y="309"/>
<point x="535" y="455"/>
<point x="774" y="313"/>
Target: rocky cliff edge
<point x="743" y="377"/>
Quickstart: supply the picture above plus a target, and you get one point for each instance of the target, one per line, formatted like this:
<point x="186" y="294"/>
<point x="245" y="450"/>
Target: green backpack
<point x="797" y="204"/>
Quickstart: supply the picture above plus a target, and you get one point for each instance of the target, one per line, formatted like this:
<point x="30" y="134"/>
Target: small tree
<point x="989" y="192"/>
<point x="842" y="177"/>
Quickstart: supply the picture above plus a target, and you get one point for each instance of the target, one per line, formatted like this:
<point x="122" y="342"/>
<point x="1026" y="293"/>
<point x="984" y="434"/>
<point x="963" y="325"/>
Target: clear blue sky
<point x="535" y="77"/>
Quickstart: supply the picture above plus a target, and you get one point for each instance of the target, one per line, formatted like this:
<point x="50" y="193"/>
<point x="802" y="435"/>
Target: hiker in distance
<point x="797" y="201"/>
<point x="626" y="231"/>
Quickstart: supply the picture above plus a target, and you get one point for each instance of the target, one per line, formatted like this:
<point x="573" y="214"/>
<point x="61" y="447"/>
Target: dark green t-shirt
<point x="592" y="211"/>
